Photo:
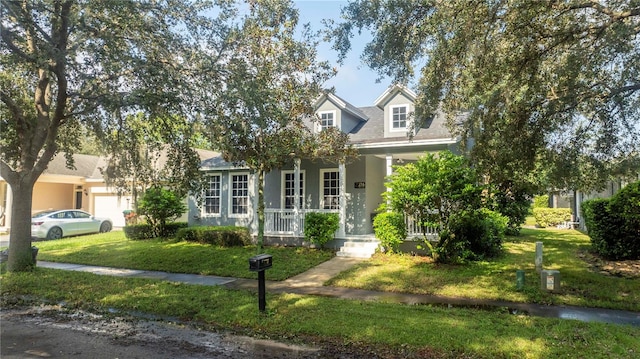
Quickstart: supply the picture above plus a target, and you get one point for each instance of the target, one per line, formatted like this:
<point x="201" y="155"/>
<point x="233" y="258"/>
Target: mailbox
<point x="260" y="262"/>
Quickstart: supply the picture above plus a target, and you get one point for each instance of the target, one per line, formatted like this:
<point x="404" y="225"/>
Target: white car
<point x="62" y="223"/>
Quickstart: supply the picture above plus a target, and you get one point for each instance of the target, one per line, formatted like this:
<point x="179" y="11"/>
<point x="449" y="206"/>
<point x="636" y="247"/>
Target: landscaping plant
<point x="320" y="228"/>
<point x="390" y="229"/>
<point x="160" y="205"/>
<point x="614" y="224"/>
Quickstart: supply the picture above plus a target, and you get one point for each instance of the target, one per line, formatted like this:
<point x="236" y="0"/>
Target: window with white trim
<point x="211" y="196"/>
<point x="239" y="199"/>
<point x="289" y="189"/>
<point x="327" y="119"/>
<point x="329" y="189"/>
<point x="398" y="117"/>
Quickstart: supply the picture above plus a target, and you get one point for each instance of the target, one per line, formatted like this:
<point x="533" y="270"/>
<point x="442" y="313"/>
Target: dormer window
<point x="399" y="117"/>
<point x="327" y="119"/>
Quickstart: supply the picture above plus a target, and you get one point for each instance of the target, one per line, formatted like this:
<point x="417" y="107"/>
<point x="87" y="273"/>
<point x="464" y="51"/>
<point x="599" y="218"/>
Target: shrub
<point x="433" y="188"/>
<point x="390" y="229"/>
<point x="223" y="236"/>
<point x="546" y="217"/>
<point x="160" y="205"/>
<point x="472" y="235"/>
<point x="171" y="229"/>
<point x="614" y="225"/>
<point x="515" y="205"/>
<point x="541" y="201"/>
<point x="138" y="232"/>
<point x="320" y="228"/>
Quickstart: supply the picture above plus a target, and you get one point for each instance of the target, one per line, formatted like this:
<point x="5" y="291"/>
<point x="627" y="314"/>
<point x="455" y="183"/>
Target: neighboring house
<point x="81" y="188"/>
<point x="380" y="133"/>
<point x="574" y="199"/>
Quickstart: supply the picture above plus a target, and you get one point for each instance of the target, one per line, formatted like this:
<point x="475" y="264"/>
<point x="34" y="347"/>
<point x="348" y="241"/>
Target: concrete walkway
<point x="311" y="283"/>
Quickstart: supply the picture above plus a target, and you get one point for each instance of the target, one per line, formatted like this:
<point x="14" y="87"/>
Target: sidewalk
<point x="311" y="283"/>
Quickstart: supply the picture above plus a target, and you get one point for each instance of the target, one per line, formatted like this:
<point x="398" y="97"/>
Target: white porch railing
<point x="414" y="229"/>
<point x="285" y="221"/>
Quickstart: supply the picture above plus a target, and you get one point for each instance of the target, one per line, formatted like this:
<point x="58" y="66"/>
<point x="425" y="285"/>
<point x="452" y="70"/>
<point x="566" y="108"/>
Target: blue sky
<point x="355" y="82"/>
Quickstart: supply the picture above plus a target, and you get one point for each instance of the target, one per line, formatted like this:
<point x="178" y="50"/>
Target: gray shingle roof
<point x="372" y="131"/>
<point x="85" y="165"/>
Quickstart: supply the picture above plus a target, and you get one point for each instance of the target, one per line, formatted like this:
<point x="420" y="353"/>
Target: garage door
<point x="110" y="207"/>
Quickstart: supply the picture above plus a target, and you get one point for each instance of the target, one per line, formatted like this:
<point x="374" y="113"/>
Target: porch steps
<point x="358" y="248"/>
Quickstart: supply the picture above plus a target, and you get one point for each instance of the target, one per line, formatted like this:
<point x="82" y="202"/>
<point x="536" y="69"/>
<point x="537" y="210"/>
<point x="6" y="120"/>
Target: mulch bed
<point x="625" y="269"/>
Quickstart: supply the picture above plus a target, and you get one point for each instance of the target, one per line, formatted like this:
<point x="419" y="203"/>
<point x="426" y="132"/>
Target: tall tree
<point x="72" y="64"/>
<point x="548" y="87"/>
<point x="273" y="77"/>
<point x="153" y="153"/>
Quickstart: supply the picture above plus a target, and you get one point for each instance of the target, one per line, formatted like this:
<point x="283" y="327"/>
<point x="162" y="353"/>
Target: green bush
<point x="515" y="205"/>
<point x="614" y="224"/>
<point x="390" y="229"/>
<point x="541" y="201"/>
<point x="472" y="235"/>
<point x="546" y="217"/>
<point x="171" y="229"/>
<point x="138" y="232"/>
<point x="223" y="236"/>
<point x="160" y="205"/>
<point x="320" y="228"/>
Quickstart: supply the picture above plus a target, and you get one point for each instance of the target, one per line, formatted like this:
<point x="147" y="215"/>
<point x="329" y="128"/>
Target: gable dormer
<point x="333" y="111"/>
<point x="398" y="104"/>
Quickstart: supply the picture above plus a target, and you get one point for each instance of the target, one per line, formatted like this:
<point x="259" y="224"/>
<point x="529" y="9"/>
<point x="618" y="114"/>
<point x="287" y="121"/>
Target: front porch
<point x="286" y="227"/>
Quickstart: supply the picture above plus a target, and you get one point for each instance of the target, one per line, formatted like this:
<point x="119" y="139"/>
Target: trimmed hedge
<point x="546" y="217"/>
<point x="223" y="236"/>
<point x="320" y="228"/>
<point x="138" y="232"/>
<point x="390" y="229"/>
<point x="171" y="229"/>
<point x="614" y="224"/>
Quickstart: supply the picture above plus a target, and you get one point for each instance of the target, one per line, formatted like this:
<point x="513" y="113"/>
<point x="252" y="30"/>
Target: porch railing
<point x="285" y="222"/>
<point x="414" y="229"/>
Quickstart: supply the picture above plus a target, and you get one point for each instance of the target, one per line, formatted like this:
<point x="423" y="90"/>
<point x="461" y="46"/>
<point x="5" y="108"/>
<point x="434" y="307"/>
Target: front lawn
<point x="416" y="331"/>
<point x="497" y="279"/>
<point x="113" y="249"/>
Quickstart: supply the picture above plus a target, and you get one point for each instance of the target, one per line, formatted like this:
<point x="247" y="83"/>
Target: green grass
<point x="113" y="249"/>
<point x="437" y="331"/>
<point x="497" y="279"/>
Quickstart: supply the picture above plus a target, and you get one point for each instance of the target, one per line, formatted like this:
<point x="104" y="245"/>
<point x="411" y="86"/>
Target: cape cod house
<point x="353" y="190"/>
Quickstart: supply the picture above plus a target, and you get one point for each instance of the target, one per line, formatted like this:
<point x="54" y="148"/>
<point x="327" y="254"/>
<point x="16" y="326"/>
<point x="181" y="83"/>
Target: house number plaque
<point x="359" y="185"/>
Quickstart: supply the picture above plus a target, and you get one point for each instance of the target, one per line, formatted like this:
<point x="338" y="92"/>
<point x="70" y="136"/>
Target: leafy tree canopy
<point x="549" y="87"/>
<point x="71" y="65"/>
<point x="271" y="81"/>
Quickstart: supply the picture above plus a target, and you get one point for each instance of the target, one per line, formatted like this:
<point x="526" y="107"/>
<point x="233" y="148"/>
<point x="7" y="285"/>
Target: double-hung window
<point x="212" y="196"/>
<point x="289" y="189"/>
<point x="398" y="117"/>
<point x="329" y="189"/>
<point x="327" y="119"/>
<point x="239" y="199"/>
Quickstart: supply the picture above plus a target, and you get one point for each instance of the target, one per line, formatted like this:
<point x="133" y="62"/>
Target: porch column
<point x="343" y="199"/>
<point x="389" y="167"/>
<point x="578" y="215"/>
<point x="296" y="198"/>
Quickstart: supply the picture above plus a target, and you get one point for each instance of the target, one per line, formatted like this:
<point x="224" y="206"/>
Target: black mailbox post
<point x="259" y="264"/>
